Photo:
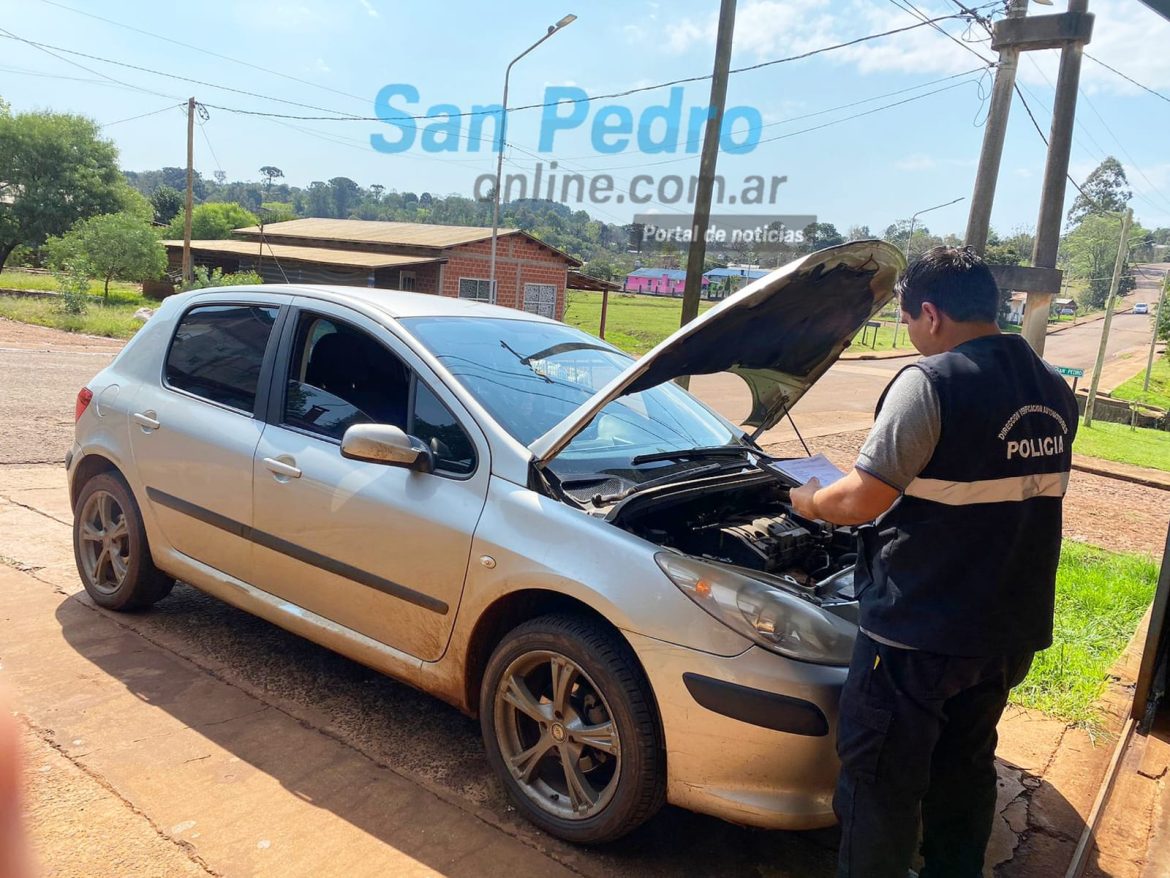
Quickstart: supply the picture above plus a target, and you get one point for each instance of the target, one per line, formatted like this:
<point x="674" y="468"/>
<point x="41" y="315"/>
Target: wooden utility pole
<point x="994" y="131"/>
<point x="190" y="190"/>
<point x="1064" y="110"/>
<point x="697" y="252"/>
<point x="1069" y="32"/>
<point x="1154" y="338"/>
<point x="1122" y="251"/>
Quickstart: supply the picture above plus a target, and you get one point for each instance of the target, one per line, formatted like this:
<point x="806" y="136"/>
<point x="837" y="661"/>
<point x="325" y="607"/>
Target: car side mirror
<point x="384" y="443"/>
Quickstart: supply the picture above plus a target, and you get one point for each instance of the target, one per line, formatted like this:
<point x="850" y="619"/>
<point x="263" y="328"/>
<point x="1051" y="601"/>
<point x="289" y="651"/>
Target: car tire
<point x="602" y="770"/>
<point x="110" y="547"/>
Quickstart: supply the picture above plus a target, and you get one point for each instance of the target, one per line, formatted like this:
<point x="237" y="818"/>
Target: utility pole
<point x="702" y="216"/>
<point x="1122" y="250"/>
<point x="190" y="190"/>
<point x="1048" y="224"/>
<point x="1154" y="337"/>
<point x="994" y="131"/>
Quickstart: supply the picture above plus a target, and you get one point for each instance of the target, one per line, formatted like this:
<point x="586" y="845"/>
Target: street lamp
<point x="909" y="238"/>
<point x="552" y="29"/>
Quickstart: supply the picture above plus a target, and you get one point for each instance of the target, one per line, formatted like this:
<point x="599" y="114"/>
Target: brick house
<point x="440" y="260"/>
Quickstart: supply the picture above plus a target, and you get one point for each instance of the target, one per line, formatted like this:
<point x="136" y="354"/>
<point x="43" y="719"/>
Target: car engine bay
<point x="746" y="521"/>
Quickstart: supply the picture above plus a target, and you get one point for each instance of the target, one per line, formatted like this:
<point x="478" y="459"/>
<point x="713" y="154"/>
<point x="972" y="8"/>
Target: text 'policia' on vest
<point x="965" y="562"/>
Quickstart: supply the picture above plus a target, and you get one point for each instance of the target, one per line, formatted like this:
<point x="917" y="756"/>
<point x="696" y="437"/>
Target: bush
<point x="202" y="278"/>
<point x="73" y="284"/>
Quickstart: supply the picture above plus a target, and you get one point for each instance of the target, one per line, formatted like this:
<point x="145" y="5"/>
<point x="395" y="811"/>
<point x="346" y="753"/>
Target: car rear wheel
<point x="571" y="729"/>
<point x="109" y="545"/>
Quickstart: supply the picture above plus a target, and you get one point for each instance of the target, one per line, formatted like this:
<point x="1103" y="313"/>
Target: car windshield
<point x="531" y="375"/>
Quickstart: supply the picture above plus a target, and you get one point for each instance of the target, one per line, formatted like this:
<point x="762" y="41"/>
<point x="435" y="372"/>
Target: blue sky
<point x="871" y="170"/>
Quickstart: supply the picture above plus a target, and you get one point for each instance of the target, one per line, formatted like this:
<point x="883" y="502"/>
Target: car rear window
<point x="217" y="352"/>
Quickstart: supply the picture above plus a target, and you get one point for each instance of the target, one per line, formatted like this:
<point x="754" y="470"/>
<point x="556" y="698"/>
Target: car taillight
<point x="83" y="397"/>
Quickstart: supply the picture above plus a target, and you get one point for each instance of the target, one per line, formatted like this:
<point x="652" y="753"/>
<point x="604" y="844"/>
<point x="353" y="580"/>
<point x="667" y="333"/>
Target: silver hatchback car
<point x="510" y="514"/>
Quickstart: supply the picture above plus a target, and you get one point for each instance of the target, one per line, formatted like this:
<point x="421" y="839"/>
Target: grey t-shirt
<point x="905" y="432"/>
<point x="902" y="441"/>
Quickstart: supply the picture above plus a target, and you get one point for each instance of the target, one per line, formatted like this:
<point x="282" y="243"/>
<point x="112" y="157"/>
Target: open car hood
<point x="779" y="334"/>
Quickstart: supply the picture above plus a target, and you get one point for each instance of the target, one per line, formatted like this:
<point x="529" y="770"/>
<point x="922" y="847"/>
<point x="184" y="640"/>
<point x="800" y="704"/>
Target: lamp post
<point x="552" y="29"/>
<point x="909" y="239"/>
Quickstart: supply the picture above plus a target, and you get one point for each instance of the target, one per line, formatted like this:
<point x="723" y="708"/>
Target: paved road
<point x="845" y="397"/>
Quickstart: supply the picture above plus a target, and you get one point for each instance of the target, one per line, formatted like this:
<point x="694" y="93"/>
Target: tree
<point x="167" y="202"/>
<point x="1106" y="189"/>
<point x="214" y="221"/>
<point x="108" y="246"/>
<point x="1090" y="251"/>
<point x="54" y="171"/>
<point x="345" y="195"/>
<point x="271" y="173"/>
<point x="376" y="190"/>
<point x="820" y="235"/>
<point x="859" y="233"/>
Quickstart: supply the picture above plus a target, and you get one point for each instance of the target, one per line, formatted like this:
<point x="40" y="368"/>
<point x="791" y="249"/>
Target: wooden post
<point x="190" y="190"/>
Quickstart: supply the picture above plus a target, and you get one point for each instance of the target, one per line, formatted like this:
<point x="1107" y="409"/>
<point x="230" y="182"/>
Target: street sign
<point x="1070" y="371"/>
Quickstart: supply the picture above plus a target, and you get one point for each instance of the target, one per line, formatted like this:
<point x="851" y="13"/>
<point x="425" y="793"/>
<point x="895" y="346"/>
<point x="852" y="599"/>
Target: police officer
<point x="967" y="466"/>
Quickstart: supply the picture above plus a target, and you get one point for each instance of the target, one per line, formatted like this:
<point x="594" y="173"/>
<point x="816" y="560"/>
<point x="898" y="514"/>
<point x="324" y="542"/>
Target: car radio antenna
<point x="781" y="404"/>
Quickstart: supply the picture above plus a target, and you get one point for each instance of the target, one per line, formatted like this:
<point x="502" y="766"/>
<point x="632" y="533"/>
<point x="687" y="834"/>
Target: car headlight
<point x="769" y="616"/>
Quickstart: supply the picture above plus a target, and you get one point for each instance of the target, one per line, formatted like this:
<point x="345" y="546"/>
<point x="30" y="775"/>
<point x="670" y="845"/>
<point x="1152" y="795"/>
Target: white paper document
<point x="802" y="469"/>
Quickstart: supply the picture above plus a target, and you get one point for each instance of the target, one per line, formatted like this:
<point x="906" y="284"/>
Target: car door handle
<point x="146" y="420"/>
<point x="281" y="468"/>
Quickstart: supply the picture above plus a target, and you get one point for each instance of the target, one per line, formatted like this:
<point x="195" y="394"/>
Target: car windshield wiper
<point x="694" y="453"/>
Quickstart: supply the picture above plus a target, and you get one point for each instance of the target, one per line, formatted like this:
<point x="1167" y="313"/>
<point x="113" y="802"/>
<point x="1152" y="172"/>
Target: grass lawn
<point x="1100" y="598"/>
<point x="115" y="320"/>
<point x="1159" y="393"/>
<point x="633" y="323"/>
<point x="23" y="280"/>
<point x="1118" y="442"/>
<point x="637" y="323"/>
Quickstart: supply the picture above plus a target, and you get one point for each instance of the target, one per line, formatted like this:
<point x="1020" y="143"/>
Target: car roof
<point x="393" y="303"/>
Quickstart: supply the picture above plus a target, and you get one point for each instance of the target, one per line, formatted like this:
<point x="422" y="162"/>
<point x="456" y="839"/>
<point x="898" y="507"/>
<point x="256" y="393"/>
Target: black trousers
<point x="916" y="737"/>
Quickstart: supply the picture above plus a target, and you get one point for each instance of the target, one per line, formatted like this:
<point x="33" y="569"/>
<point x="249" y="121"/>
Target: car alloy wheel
<point x="104" y="542"/>
<point x="557" y="735"/>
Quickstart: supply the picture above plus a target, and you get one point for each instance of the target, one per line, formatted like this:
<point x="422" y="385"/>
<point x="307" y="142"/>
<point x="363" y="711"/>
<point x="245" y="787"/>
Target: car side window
<point x="340" y="376"/>
<point x="434" y="424"/>
<point x="217" y="352"/>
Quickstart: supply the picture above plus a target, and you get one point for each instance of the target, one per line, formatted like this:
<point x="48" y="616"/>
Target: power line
<point x="88" y="69"/>
<point x="251" y="94"/>
<point x="205" y="51"/>
<point x="907" y="6"/>
<point x="1156" y="94"/>
<point x="142" y="115"/>
<point x="342" y="116"/>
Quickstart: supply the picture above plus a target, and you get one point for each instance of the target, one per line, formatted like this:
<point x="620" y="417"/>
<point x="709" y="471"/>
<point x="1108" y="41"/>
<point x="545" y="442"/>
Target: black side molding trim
<point x="770" y="710"/>
<point x="300" y="553"/>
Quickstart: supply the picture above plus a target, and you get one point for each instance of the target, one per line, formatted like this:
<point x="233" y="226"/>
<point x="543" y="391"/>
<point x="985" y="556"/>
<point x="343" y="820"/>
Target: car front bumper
<point x="749" y="738"/>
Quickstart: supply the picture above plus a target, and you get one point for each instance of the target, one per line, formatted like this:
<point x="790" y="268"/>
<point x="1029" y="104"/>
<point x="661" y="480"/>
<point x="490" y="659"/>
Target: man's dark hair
<point x="955" y="280"/>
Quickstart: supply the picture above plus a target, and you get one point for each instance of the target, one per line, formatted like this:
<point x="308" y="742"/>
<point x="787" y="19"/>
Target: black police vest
<point x="965" y="562"/>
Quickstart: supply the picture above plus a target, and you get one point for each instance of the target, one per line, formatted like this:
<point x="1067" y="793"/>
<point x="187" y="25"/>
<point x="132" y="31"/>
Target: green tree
<point x="1106" y="189"/>
<point x="1090" y="250"/>
<point x="54" y="170"/>
<point x="214" y="221"/>
<point x="113" y="245"/>
<point x="820" y="235"/>
<point x="167" y="202"/>
<point x="346" y="194"/>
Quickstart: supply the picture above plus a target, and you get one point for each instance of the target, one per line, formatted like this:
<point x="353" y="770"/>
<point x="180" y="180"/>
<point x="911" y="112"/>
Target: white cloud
<point x="916" y="162"/>
<point x="369" y="7"/>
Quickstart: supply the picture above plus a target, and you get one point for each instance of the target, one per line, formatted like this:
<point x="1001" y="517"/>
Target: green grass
<point x="1140" y="447"/>
<point x="1159" y="393"/>
<point x="14" y="279"/>
<point x="115" y="320"/>
<point x="633" y="323"/>
<point x="885" y="339"/>
<point x="1100" y="598"/>
<point x="636" y="323"/>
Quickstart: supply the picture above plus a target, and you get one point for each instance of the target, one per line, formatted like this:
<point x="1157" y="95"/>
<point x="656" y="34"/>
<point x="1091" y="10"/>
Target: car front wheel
<point x="571" y="729"/>
<point x="109" y="545"/>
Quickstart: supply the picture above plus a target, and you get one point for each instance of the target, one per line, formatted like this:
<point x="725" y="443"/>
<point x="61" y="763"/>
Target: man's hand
<point x="803" y="499"/>
<point x="857" y="497"/>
